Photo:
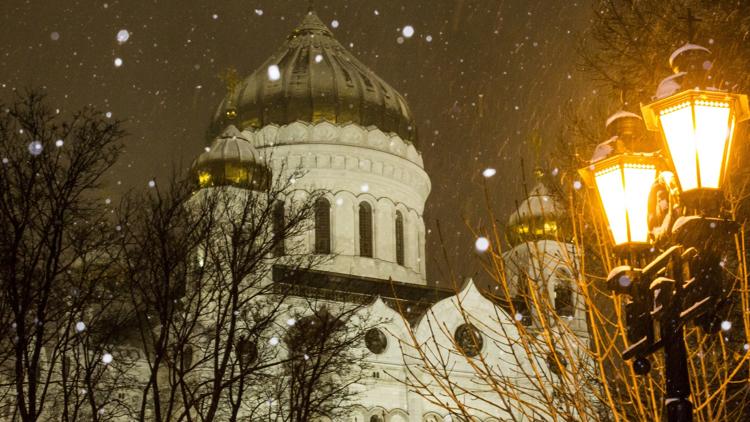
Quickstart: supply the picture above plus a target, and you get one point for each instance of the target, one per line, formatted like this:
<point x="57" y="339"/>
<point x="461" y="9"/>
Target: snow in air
<point x="519" y="317"/>
<point x="118" y="62"/>
<point x="408" y="31"/>
<point x="318" y="58"/>
<point x="334" y="23"/>
<point x="259" y="12"/>
<point x="577" y="185"/>
<point x="122" y="36"/>
<point x="489" y="172"/>
<point x="482" y="244"/>
<point x="428" y="38"/>
<point x="273" y="341"/>
<point x="55" y="36"/>
<point x="107" y="358"/>
<point x="151" y="183"/>
<point x="108" y="114"/>
<point x="291" y="321"/>
<point x="365" y="187"/>
<point x="59" y="143"/>
<point x="274" y="73"/>
<point x="726" y="325"/>
<point x="35" y="148"/>
<point x="80" y="326"/>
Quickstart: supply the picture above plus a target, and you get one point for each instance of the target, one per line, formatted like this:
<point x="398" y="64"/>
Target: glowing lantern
<point x="623" y="183"/>
<point x="698" y="129"/>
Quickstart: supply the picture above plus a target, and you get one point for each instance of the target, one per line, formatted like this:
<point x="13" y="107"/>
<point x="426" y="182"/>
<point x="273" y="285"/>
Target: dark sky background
<point x="494" y="75"/>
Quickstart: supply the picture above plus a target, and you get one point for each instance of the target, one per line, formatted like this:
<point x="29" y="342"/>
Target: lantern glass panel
<point x="711" y="139"/>
<point x="612" y="194"/>
<point x="624" y="189"/>
<point x="638" y="181"/>
<point x="677" y="123"/>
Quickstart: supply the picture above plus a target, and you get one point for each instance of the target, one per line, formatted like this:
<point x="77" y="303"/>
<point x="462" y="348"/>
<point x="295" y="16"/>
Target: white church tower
<point x="313" y="109"/>
<point x="543" y="257"/>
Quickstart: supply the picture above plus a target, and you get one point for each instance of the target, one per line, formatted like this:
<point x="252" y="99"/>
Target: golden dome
<point x="540" y="216"/>
<point x="312" y="78"/>
<point x="231" y="160"/>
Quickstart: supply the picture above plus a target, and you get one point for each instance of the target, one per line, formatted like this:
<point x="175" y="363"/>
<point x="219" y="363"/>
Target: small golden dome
<point x="231" y="160"/>
<point x="540" y="216"/>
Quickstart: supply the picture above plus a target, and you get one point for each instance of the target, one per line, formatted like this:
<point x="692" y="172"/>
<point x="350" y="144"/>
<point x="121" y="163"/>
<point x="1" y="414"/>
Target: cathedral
<point x="314" y="108"/>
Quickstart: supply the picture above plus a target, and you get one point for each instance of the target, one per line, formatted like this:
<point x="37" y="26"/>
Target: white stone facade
<point x="351" y="164"/>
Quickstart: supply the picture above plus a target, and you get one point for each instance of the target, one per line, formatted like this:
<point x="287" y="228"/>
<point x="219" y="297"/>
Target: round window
<point x="376" y="341"/>
<point x="469" y="340"/>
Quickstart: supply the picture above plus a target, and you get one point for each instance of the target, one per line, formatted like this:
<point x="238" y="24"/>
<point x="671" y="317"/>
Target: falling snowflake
<point x="151" y="183"/>
<point x="59" y="143"/>
<point x="35" y="148"/>
<point x="408" y="31"/>
<point x="339" y="201"/>
<point x="107" y="358"/>
<point x="365" y="187"/>
<point x="108" y="114"/>
<point x="80" y="326"/>
<point x="273" y="341"/>
<point x="519" y="316"/>
<point x="489" y="172"/>
<point x="274" y="73"/>
<point x="55" y="36"/>
<point x="291" y="321"/>
<point x="577" y="185"/>
<point x="259" y="12"/>
<point x="482" y="244"/>
<point x="334" y="23"/>
<point x="118" y="62"/>
<point x="428" y="38"/>
<point x="122" y="36"/>
<point x="726" y="325"/>
<point x="318" y="58"/>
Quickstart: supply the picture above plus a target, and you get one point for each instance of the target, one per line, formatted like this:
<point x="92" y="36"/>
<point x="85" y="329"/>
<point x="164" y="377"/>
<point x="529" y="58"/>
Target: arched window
<point x="278" y="228"/>
<point x="365" y="229"/>
<point x="322" y="226"/>
<point x="564" y="305"/>
<point x="399" y="238"/>
<point x="564" y="299"/>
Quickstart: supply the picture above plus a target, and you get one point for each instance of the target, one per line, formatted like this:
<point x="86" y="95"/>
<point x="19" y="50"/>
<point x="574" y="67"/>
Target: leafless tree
<point x="56" y="291"/>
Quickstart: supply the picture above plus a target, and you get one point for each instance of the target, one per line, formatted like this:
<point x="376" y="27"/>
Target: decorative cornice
<point x="351" y="134"/>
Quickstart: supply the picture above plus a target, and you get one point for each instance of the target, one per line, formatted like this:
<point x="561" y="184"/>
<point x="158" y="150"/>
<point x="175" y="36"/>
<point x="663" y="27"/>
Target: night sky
<point x="482" y="77"/>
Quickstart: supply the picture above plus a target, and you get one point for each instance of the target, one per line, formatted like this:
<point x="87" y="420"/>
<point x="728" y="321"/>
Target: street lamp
<point x="698" y="128"/>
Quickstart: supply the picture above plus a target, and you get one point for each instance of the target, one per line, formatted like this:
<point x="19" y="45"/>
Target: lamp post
<point x="698" y="127"/>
